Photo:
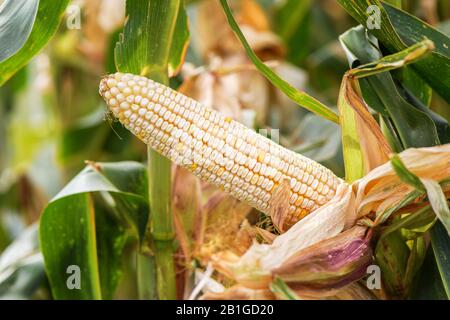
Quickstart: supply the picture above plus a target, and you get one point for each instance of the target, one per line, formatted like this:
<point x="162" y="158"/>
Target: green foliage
<point x="146" y="46"/>
<point x="22" y="267"/>
<point x="16" y="21"/>
<point x="413" y="126"/>
<point x="69" y="241"/>
<point x="101" y="221"/>
<point x="441" y="246"/>
<point x="85" y="225"/>
<point x="45" y="25"/>
<point x="153" y="43"/>
<point x="402" y="99"/>
<point x="434" y="69"/>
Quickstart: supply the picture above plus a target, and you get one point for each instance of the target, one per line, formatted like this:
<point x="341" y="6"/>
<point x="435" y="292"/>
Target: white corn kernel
<point x="215" y="148"/>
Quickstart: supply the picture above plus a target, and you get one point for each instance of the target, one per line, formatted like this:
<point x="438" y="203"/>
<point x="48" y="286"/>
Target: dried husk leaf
<point x="266" y="44"/>
<point x="218" y="38"/>
<point x="354" y="291"/>
<point x="328" y="265"/>
<point x="244" y="238"/>
<point x="220" y="93"/>
<point x="251" y="13"/>
<point x="240" y="293"/>
<point x="265" y="235"/>
<point x="111" y="15"/>
<point x="229" y="82"/>
<point x="223" y="227"/>
<point x="279" y="205"/>
<point x="94" y="39"/>
<point x="374" y="145"/>
<point x="293" y="253"/>
<point x="382" y="188"/>
<point x="210" y="17"/>
<point x="186" y="205"/>
<point x="253" y="269"/>
<point x="229" y="85"/>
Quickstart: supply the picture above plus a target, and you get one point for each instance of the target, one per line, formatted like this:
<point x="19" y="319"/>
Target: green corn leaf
<point x="49" y="15"/>
<point x="423" y="217"/>
<point x="441" y="247"/>
<point x="16" y="21"/>
<point x="111" y="237"/>
<point x="153" y="43"/>
<point x="146" y="26"/>
<point x="438" y="201"/>
<point x="429" y="284"/>
<point x="68" y="244"/>
<point x="414" y="126"/>
<point x="440" y="239"/>
<point x="391" y="254"/>
<point x="85" y="225"/>
<point x="435" y="69"/>
<point x="436" y="196"/>
<point x="180" y="42"/>
<point x="351" y="145"/>
<point x="347" y="102"/>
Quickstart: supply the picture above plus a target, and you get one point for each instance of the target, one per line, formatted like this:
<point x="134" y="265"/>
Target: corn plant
<point x="145" y="175"/>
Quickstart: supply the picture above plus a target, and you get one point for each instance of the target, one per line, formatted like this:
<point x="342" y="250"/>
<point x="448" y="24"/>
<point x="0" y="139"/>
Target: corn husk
<point x="381" y="188"/>
<point x="254" y="268"/>
<point x="240" y="293"/>
<point x="329" y="265"/>
<point x="327" y="250"/>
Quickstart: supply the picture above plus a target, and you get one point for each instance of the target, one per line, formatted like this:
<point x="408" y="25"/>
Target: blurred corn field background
<point x="88" y="212"/>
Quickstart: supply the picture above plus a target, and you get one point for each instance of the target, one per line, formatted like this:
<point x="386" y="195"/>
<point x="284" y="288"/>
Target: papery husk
<point x="381" y="188"/>
<point x="279" y="205"/>
<point x="187" y="216"/>
<point x="218" y="38"/>
<point x="230" y="92"/>
<point x="229" y="82"/>
<point x="224" y="227"/>
<point x="254" y="268"/>
<point x="265" y="235"/>
<point x="354" y="291"/>
<point x="375" y="147"/>
<point x="321" y="229"/>
<point x="240" y="293"/>
<point x="322" y="269"/>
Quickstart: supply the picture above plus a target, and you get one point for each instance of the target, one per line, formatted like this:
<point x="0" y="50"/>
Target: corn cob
<point x="216" y="148"/>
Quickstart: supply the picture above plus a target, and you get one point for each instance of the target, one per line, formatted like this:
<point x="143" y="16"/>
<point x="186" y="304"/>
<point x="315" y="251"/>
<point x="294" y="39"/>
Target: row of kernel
<point x="261" y="145"/>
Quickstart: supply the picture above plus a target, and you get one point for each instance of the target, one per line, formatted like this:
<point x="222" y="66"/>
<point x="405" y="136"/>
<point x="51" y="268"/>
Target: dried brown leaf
<point x="267" y="236"/>
<point x="382" y="188"/>
<point x="223" y="227"/>
<point x="186" y="199"/>
<point x="374" y="145"/>
<point x="253" y="269"/>
<point x="279" y="205"/>
<point x="239" y="293"/>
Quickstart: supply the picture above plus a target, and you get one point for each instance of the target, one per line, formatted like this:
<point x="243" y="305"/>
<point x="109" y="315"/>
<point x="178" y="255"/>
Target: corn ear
<point x="215" y="148"/>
